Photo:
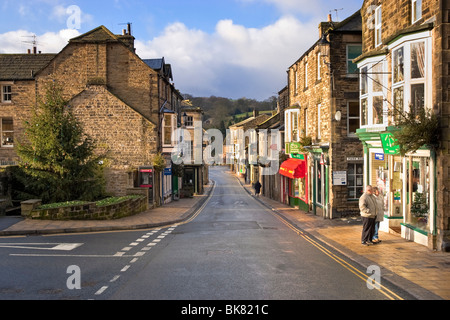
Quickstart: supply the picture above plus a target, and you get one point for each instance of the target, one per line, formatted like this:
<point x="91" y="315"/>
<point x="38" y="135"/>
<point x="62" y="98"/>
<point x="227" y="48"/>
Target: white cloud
<point x="234" y="61"/>
<point x="19" y="41"/>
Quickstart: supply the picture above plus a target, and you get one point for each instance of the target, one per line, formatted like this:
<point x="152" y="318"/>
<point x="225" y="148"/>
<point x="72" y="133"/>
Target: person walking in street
<point x="257" y="188"/>
<point x="380" y="213"/>
<point x="368" y="211"/>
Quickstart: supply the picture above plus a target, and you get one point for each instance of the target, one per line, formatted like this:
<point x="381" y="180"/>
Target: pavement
<point x="418" y="270"/>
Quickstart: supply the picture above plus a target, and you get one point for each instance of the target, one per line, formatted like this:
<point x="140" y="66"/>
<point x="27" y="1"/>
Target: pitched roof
<point x="22" y="66"/>
<point x="160" y="65"/>
<point x="99" y="34"/>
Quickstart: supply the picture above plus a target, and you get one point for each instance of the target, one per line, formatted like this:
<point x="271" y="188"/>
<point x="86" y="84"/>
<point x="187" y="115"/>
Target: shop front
<point x="295" y="181"/>
<point x="406" y="184"/>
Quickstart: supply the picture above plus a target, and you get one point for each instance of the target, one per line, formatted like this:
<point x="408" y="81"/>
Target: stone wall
<point x="86" y="211"/>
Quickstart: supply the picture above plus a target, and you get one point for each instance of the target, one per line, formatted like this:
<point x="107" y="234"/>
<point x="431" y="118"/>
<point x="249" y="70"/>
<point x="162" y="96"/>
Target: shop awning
<point x="293" y="168"/>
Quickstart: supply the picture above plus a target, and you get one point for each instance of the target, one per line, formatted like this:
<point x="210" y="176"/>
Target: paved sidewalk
<point x="411" y="266"/>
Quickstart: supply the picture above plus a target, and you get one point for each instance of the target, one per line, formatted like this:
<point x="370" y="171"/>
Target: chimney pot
<point x="330" y="19"/>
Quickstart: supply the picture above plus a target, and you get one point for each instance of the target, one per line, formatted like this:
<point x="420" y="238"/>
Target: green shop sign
<point x="293" y="147"/>
<point x="389" y="144"/>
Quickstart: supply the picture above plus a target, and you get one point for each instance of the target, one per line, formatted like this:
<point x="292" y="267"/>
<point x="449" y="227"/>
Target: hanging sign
<point x="389" y="144"/>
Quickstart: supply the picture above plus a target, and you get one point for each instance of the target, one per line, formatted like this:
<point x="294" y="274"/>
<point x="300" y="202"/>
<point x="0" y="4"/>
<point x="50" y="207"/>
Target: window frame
<point x="349" y="61"/>
<point x="408" y="81"/>
<point x="3" y="93"/>
<point x="414" y="11"/>
<point x="370" y="95"/>
<point x="3" y="145"/>
<point x="353" y="134"/>
<point x="378" y="26"/>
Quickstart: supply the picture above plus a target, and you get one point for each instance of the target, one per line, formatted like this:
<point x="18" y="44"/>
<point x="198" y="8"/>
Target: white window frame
<point x="319" y="66"/>
<point x="405" y="43"/>
<point x="414" y="7"/>
<point x="378" y="26"/>
<point x="3" y="93"/>
<point x="172" y="125"/>
<point x="289" y="116"/>
<point x="306" y="74"/>
<point x="319" y="121"/>
<point x="370" y="95"/>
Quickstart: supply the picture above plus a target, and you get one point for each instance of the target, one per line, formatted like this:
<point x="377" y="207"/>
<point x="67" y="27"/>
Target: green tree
<point x="58" y="158"/>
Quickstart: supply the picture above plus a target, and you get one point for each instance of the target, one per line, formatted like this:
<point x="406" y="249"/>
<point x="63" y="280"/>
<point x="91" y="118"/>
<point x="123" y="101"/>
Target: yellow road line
<point x="388" y="293"/>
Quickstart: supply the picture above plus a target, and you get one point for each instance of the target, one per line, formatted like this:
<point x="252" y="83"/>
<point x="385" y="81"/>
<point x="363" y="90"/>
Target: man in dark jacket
<point x="257" y="188"/>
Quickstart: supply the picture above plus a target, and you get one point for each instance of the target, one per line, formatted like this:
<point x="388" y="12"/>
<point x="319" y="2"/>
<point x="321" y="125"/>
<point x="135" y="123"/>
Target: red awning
<point x="293" y="168"/>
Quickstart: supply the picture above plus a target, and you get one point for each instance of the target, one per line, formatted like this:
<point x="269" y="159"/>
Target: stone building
<point x="243" y="146"/>
<point x="324" y="172"/>
<point x="119" y="98"/>
<point x="404" y="68"/>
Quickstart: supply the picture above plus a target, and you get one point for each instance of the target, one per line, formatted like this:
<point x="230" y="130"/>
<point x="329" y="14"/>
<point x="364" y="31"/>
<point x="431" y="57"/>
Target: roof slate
<point x="22" y="66"/>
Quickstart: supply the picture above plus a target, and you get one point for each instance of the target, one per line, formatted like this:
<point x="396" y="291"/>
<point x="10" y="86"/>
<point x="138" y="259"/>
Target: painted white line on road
<point x="125" y="268"/>
<point x="42" y="246"/>
<point x="119" y="254"/>
<point x="133" y="244"/>
<point x="139" y="254"/>
<point x="114" y="279"/>
<point x="134" y="260"/>
<point x="102" y="289"/>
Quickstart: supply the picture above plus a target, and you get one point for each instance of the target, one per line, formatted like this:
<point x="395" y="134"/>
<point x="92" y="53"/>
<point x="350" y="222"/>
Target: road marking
<point x="42" y="246"/>
<point x="102" y="289"/>
<point x="385" y="291"/>
<point x="114" y="279"/>
<point x="125" y="268"/>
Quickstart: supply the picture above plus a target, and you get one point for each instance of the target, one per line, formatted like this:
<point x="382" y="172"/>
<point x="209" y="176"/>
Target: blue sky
<point x="229" y="48"/>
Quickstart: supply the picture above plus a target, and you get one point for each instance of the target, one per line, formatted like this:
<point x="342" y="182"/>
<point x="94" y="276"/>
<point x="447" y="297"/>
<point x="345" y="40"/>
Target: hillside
<point x="220" y="113"/>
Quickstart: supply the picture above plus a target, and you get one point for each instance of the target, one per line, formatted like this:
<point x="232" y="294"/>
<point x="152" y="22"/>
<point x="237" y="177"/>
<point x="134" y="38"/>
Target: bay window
<point x="410" y="74"/>
<point x="373" y="92"/>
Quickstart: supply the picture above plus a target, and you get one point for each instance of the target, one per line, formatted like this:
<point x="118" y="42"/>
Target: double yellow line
<point x="385" y="291"/>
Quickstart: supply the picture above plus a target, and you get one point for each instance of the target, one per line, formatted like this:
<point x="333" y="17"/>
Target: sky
<point x="224" y="48"/>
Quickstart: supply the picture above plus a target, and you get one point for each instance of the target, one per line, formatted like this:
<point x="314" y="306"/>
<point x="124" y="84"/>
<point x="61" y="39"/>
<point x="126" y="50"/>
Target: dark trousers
<point x="368" y="229"/>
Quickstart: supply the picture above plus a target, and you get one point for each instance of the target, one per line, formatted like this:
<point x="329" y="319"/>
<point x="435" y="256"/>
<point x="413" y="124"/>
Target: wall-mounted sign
<point x="379" y="156"/>
<point x="339" y="178"/>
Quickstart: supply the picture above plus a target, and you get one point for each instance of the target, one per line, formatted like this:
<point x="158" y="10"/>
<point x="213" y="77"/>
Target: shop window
<point x="418" y="192"/>
<point x="7" y="128"/>
<point x="355" y="180"/>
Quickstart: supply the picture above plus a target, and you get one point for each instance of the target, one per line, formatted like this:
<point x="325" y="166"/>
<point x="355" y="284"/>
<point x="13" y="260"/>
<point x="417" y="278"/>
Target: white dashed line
<point x="102" y="289"/>
<point x="125" y="268"/>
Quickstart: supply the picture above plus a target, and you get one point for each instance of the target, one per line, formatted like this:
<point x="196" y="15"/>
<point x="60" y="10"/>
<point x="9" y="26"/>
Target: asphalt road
<point x="234" y="248"/>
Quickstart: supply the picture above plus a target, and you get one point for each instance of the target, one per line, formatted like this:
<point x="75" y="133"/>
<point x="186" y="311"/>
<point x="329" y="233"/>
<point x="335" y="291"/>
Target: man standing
<point x="368" y="210"/>
<point x="257" y="188"/>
